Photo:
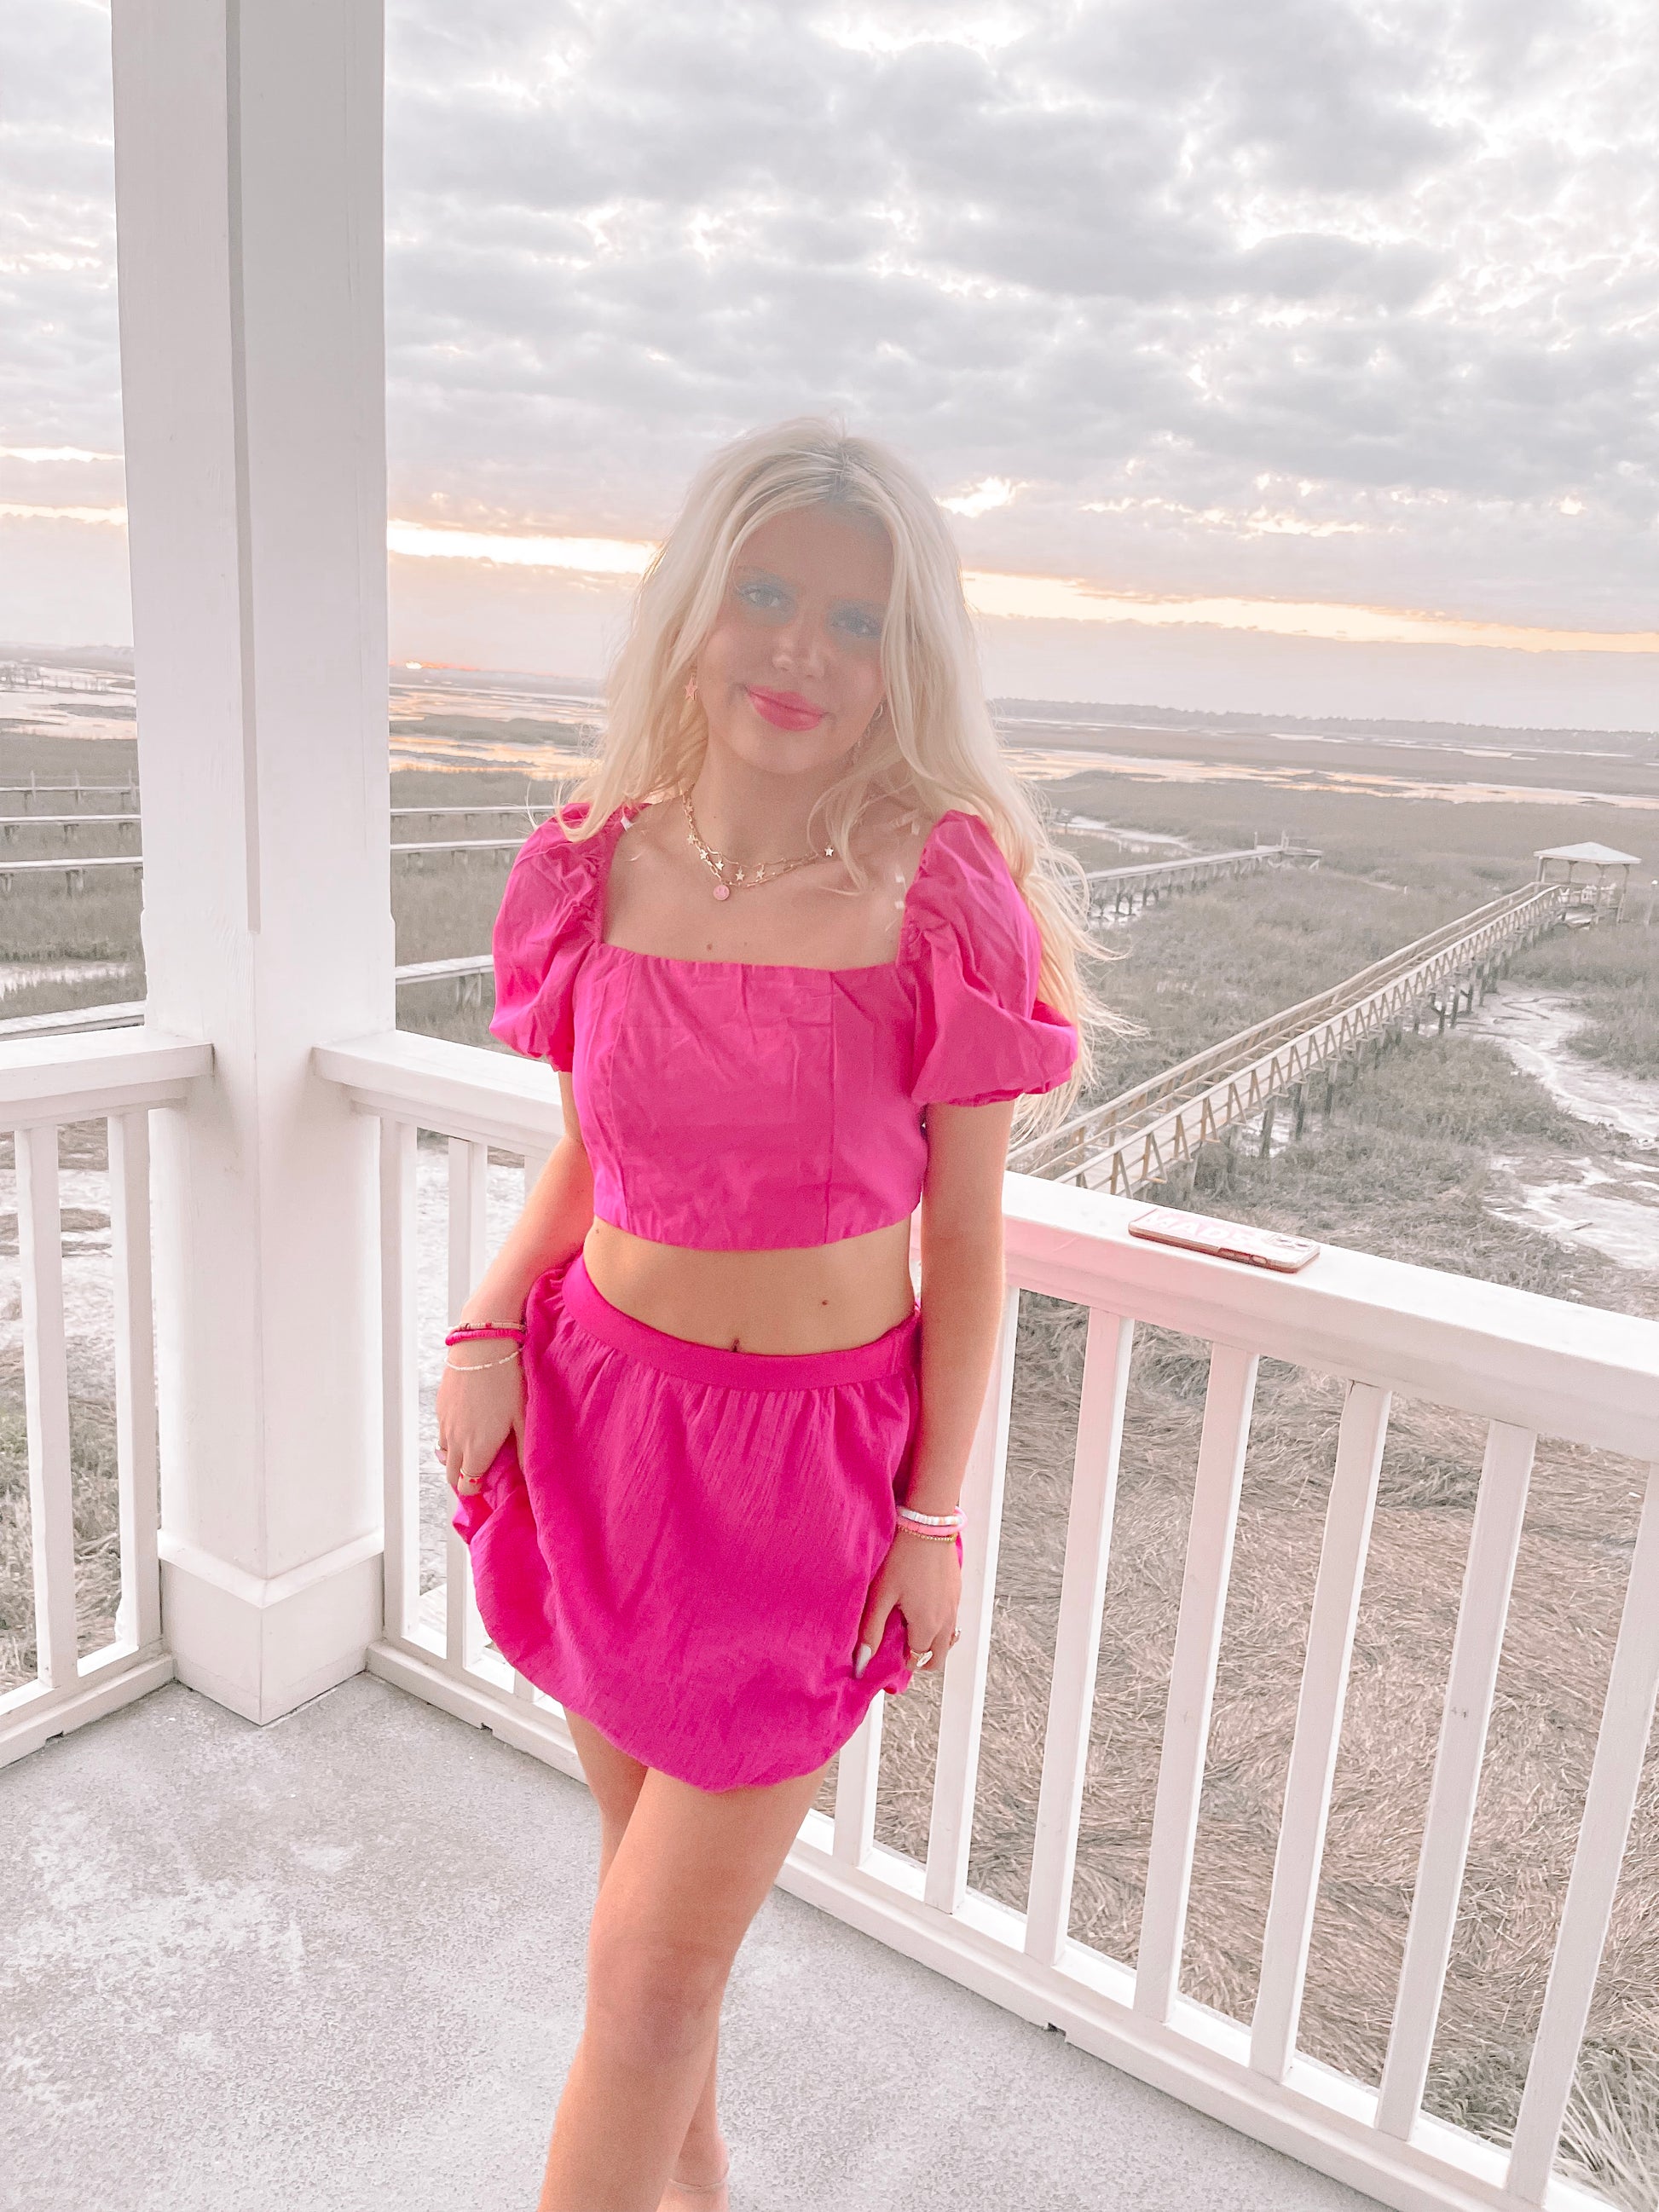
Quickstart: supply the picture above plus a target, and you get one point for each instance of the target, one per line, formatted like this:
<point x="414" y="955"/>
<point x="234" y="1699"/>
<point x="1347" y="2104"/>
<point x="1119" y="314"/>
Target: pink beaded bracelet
<point x="475" y="1332"/>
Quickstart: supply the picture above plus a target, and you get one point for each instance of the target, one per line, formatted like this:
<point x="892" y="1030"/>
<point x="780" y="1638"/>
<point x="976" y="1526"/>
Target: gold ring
<point x="918" y="1658"/>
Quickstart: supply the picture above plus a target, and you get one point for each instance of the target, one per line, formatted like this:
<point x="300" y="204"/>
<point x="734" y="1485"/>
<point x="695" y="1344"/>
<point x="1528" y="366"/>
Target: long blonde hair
<point x="935" y="749"/>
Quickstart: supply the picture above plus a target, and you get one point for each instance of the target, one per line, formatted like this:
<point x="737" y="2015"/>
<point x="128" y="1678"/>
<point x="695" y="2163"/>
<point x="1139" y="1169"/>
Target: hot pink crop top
<point x="729" y="1106"/>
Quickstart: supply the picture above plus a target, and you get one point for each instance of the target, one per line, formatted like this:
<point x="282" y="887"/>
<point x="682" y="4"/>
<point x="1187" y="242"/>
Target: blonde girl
<point x="795" y="959"/>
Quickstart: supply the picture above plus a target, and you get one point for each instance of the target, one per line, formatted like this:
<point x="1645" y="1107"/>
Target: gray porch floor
<point x="335" y="1966"/>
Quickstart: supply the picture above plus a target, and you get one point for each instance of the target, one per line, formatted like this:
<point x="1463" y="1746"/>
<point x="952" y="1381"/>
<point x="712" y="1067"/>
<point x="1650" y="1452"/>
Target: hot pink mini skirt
<point x="683" y="1558"/>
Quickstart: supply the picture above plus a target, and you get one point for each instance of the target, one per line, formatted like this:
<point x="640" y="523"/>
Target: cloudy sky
<point x="1299" y="355"/>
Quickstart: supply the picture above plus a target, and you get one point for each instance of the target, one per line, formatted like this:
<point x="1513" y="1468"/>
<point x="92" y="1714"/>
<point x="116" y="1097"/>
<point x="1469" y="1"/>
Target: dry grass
<point x="1613" y="974"/>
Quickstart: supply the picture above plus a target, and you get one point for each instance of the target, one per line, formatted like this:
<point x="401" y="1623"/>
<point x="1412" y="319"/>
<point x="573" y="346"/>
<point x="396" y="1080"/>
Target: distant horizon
<point x="45" y="652"/>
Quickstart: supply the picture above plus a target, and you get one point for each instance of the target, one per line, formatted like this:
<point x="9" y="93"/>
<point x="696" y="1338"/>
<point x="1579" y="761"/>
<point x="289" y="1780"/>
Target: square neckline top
<point x="750" y="1104"/>
<point x="625" y="817"/>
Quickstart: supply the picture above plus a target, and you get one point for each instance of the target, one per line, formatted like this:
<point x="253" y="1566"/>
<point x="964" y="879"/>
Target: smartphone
<point x="1223" y="1240"/>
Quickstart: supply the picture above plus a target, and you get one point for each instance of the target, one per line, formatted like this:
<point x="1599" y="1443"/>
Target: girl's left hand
<point x="922" y="1578"/>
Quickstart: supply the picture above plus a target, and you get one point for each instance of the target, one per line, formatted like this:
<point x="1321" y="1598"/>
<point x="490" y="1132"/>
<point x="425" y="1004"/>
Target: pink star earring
<point x="691" y="687"/>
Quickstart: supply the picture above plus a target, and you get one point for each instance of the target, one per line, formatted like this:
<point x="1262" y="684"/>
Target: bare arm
<point x="557" y="1214"/>
<point x="478" y="1412"/>
<point x="962" y="1290"/>
<point x="961" y="1296"/>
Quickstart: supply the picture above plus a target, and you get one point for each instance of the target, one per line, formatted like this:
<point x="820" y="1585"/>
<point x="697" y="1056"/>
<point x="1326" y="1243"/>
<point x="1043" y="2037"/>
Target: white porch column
<point x="247" y="146"/>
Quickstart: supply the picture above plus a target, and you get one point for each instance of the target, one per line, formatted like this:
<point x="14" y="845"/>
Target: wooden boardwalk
<point x="75" y="868"/>
<point x="1118" y="894"/>
<point x="1153" y="1134"/>
<point x="467" y="974"/>
<point x="1114" y="894"/>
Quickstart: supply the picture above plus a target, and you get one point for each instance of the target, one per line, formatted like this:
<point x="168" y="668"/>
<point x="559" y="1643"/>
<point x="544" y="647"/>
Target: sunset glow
<point x="1070" y="599"/>
<point x="997" y="596"/>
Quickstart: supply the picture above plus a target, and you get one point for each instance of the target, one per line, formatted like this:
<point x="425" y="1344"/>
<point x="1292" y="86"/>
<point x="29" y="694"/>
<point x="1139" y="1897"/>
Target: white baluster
<point x="1227" y="1404"/>
<point x="858" y="1774"/>
<point x="400" y="1374"/>
<point x="1360" y="1438"/>
<point x="138" y="1618"/>
<point x="1076" y="1640"/>
<point x="46" y="1397"/>
<point x="469" y="1170"/>
<point x="523" y="1689"/>
<point x="1487" y="1579"/>
<point x="962" y="1705"/>
<point x="1609" y="1805"/>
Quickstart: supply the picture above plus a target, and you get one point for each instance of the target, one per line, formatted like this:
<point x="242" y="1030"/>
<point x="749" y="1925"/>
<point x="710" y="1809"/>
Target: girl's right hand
<point x="478" y="1411"/>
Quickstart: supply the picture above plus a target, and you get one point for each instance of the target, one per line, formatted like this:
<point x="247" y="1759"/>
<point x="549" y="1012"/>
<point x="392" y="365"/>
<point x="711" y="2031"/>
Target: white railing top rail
<point x="1560" y="1370"/>
<point x="1503" y="1354"/>
<point x="67" y="1078"/>
<point x="494" y="1098"/>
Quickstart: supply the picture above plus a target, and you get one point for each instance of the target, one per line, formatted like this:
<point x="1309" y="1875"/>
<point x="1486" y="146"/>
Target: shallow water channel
<point x="1607" y="1198"/>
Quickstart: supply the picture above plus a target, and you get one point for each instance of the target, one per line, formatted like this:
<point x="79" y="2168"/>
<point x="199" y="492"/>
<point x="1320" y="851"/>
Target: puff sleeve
<point x="981" y="1032"/>
<point x="547" y="919"/>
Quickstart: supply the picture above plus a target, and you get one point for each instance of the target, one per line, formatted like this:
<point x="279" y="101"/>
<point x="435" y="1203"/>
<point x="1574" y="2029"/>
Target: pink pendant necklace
<point x="728" y="877"/>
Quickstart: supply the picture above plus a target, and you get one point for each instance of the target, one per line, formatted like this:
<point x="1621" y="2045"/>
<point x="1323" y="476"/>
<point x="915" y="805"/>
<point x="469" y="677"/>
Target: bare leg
<point x="616" y="1781"/>
<point x="686" y="1876"/>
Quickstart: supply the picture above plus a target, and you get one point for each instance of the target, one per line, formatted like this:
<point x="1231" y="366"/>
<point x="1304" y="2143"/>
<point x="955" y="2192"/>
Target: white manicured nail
<point x="861" y="1658"/>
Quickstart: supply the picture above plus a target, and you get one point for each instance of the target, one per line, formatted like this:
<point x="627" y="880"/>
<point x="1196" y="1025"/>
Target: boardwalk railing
<point x="1142" y="1136"/>
<point x="1527" y="1366"/>
<point x="1116" y="894"/>
<point x="467" y="974"/>
<point x="75" y="868"/>
<point x="46" y="1084"/>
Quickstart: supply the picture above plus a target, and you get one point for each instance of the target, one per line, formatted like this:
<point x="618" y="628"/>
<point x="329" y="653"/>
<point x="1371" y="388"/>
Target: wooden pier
<point x="1151" y="1135"/>
<point x="1118" y="894"/>
<point x="1115" y="895"/>
<point x="75" y="868"/>
<point x="467" y="974"/>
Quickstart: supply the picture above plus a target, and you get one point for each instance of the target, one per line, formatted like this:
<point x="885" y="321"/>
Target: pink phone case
<point x="1225" y="1240"/>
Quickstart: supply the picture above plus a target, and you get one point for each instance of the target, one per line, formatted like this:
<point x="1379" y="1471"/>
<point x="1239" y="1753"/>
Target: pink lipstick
<point x="785" y="710"/>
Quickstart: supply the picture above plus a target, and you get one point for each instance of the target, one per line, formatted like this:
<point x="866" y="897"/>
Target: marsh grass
<point x="1435" y="858"/>
<point x="1611" y="973"/>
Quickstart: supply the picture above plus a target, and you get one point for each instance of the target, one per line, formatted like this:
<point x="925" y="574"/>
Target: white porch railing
<point x="45" y="1084"/>
<point x="1527" y="1366"/>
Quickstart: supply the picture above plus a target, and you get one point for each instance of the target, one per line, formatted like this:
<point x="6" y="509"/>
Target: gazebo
<point x="1605" y="878"/>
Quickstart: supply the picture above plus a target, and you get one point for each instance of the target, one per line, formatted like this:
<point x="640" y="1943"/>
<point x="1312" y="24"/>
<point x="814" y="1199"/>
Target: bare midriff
<point x="825" y="1297"/>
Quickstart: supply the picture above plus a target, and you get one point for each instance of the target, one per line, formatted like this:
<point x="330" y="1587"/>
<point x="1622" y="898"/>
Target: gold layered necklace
<point x="729" y="876"/>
